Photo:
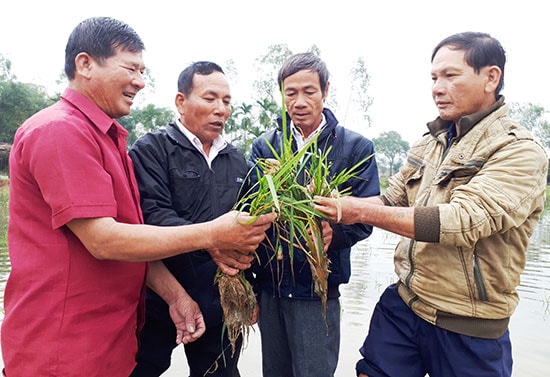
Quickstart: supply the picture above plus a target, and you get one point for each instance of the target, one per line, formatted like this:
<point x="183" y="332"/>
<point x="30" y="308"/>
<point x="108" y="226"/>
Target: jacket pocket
<point x="190" y="194"/>
<point x="412" y="175"/>
<point x="478" y="278"/>
<point x="449" y="177"/>
<point x="413" y="170"/>
<point x="455" y="174"/>
<point x="473" y="275"/>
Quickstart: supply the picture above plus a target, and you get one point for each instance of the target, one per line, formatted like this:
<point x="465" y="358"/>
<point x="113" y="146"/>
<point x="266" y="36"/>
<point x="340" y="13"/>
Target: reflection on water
<point x="372" y="271"/>
<point x="535" y="277"/>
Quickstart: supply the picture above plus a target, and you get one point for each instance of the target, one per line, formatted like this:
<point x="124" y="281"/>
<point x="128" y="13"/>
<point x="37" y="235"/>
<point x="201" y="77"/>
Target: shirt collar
<point x="97" y="117"/>
<point x="218" y="144"/>
<point x="297" y="134"/>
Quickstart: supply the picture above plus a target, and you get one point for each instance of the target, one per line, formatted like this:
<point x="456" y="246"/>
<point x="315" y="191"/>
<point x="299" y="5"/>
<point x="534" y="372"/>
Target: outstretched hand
<point x="336" y="209"/>
<point x="235" y="237"/>
<point x="239" y="231"/>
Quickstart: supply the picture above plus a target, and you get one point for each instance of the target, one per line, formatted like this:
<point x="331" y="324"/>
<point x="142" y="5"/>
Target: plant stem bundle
<point x="287" y="185"/>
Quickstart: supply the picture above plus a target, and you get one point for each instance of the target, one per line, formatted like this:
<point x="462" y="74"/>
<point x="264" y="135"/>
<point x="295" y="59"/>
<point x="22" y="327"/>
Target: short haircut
<point x="480" y="50"/>
<point x="304" y="61"/>
<point x="100" y="37"/>
<point x="185" y="79"/>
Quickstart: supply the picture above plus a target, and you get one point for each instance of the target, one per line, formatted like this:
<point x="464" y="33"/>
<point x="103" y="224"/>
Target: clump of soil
<point x="239" y="305"/>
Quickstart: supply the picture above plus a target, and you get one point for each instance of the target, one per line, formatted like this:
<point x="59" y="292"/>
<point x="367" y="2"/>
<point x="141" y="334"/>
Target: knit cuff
<point x="426" y="224"/>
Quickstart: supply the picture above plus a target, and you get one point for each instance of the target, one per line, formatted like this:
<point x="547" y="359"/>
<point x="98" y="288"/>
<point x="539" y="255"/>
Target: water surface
<point x="372" y="271"/>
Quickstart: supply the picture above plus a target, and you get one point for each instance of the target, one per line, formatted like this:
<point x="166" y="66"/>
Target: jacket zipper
<point x="478" y="278"/>
<point x="411" y="244"/>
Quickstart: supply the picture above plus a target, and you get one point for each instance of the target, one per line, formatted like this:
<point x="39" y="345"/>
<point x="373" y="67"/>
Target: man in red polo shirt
<point x="78" y="248"/>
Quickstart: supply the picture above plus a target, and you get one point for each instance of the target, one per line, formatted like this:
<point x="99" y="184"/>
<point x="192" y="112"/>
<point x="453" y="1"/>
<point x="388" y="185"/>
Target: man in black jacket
<point x="296" y="341"/>
<point x="187" y="173"/>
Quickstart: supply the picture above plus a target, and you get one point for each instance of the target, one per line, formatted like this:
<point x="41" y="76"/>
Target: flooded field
<point x="372" y="271"/>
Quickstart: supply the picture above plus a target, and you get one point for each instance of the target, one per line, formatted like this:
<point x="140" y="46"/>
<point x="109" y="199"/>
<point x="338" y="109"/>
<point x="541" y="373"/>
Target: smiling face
<point x="457" y="89"/>
<point x="113" y="84"/>
<point x="207" y="108"/>
<point x="304" y="100"/>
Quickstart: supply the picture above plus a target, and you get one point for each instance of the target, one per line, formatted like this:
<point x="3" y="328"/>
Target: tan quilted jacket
<point x="476" y="206"/>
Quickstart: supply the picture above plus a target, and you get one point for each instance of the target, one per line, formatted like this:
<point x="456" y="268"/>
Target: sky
<point x="395" y="39"/>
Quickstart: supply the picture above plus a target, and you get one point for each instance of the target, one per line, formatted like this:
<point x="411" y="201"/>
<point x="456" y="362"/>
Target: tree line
<point x="248" y="120"/>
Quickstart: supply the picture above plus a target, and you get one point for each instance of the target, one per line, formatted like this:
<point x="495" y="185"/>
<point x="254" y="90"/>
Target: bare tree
<point x="535" y="118"/>
<point x="360" y="83"/>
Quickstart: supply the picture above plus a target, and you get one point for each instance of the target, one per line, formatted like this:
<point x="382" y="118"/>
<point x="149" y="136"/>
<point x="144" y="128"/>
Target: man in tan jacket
<point x="466" y="203"/>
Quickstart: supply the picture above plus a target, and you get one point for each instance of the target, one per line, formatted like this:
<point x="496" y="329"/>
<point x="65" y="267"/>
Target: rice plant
<point x="287" y="186"/>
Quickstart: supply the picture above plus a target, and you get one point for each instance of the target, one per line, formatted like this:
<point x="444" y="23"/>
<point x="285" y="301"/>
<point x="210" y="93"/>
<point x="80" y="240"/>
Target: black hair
<point x="100" y="37"/>
<point x="304" y="61"/>
<point x="480" y="50"/>
<point x="185" y="79"/>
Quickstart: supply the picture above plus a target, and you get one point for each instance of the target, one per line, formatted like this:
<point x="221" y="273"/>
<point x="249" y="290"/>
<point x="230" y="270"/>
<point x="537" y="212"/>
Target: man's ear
<point x="493" y="75"/>
<point x="179" y="101"/>
<point x="83" y="63"/>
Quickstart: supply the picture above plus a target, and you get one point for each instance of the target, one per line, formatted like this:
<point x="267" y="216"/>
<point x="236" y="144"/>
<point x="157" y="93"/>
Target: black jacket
<point x="177" y="187"/>
<point x="348" y="148"/>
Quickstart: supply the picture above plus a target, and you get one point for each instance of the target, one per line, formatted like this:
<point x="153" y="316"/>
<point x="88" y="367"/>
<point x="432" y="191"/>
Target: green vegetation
<point x="384" y="183"/>
<point x="390" y="150"/>
<point x="4" y="194"/>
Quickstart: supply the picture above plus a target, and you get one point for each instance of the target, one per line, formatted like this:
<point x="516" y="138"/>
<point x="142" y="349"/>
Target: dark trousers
<point x="400" y="343"/>
<point x="296" y="341"/>
<point x="207" y="356"/>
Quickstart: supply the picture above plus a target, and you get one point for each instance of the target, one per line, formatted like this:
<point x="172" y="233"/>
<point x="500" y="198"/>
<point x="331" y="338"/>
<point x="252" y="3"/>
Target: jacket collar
<point x="466" y="123"/>
<point x="178" y="136"/>
<point x="175" y="134"/>
<point x="329" y="128"/>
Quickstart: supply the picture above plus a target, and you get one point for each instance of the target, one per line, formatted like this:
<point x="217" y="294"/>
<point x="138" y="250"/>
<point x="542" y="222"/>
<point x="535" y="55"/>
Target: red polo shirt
<point x="67" y="313"/>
